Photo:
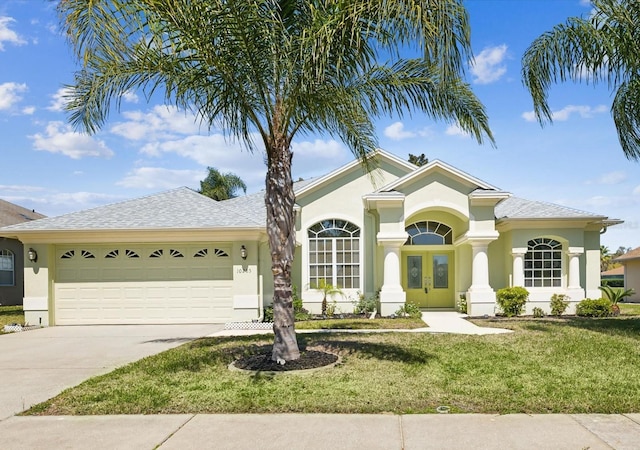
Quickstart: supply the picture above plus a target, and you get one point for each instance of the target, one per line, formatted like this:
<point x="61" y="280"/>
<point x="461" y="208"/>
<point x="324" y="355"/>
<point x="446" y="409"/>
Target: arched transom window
<point x="334" y="254"/>
<point x="543" y="263"/>
<point x="7" y="268"/>
<point x="429" y="233"/>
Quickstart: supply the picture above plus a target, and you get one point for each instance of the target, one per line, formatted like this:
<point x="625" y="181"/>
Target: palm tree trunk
<point x="280" y="200"/>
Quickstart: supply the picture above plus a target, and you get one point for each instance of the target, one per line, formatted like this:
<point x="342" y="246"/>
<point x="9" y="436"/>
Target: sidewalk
<point x="329" y="431"/>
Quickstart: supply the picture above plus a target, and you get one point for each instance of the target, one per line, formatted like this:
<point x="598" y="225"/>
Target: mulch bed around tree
<point x="309" y="359"/>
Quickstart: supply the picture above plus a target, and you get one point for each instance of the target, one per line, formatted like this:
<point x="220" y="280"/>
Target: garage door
<point x="144" y="284"/>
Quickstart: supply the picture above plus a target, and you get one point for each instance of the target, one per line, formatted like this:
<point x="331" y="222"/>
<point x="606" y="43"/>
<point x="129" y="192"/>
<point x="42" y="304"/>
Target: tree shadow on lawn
<point x="230" y="349"/>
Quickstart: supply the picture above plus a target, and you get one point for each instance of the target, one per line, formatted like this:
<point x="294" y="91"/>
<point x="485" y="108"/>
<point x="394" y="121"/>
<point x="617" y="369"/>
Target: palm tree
<point x="605" y="258"/>
<point x="270" y="70"/>
<point x="418" y="160"/>
<point x="602" y="48"/>
<point x="221" y="186"/>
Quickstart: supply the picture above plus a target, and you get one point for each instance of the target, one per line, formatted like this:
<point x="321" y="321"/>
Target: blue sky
<point x="148" y="148"/>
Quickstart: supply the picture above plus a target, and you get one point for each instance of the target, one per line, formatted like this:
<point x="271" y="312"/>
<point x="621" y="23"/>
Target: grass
<point x="564" y="365"/>
<point x="361" y="324"/>
<point x="629" y="309"/>
<point x="10" y="315"/>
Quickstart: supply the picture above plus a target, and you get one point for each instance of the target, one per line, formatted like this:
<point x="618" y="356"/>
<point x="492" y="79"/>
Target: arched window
<point x="429" y="233"/>
<point x="543" y="263"/>
<point x="334" y="254"/>
<point x="7" y="268"/>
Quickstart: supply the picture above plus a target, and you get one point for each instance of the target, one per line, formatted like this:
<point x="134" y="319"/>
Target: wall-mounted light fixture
<point x="33" y="255"/>
<point x="243" y="252"/>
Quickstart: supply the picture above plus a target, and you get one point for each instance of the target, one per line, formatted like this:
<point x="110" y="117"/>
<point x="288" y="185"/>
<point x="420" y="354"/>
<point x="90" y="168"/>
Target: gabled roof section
<point x="180" y="208"/>
<point x="519" y="208"/>
<point x="629" y="256"/>
<point x="379" y="154"/>
<point x="438" y="166"/>
<point x="11" y="214"/>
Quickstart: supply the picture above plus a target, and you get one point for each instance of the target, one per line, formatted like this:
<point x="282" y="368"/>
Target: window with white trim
<point x="429" y="232"/>
<point x="543" y="263"/>
<point x="334" y="254"/>
<point x="7" y="268"/>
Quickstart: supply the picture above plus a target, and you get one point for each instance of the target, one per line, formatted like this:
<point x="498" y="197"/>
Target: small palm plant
<point x="328" y="290"/>
<point x="616" y="295"/>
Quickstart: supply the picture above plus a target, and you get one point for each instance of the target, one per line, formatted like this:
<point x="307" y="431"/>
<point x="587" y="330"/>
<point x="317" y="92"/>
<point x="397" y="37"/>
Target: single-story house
<point x="11" y="253"/>
<point x="631" y="263"/>
<point x="427" y="235"/>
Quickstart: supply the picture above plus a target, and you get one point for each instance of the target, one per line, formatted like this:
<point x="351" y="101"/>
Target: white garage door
<point x="143" y="284"/>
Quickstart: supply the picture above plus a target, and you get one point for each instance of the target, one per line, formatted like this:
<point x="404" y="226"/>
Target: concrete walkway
<point x="324" y="431"/>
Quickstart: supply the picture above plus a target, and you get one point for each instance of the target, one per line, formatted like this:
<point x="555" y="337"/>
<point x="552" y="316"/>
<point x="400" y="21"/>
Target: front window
<point x="6" y="268"/>
<point x="334" y="254"/>
<point x="429" y="233"/>
<point x="543" y="263"/>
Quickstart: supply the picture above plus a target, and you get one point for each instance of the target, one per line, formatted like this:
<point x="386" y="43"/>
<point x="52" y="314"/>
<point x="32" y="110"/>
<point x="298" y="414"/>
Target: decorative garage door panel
<point x="143" y="284"/>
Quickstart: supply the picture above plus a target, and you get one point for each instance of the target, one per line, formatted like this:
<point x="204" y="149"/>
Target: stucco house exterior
<point x="425" y="234"/>
<point x="11" y="253"/>
<point x="631" y="263"/>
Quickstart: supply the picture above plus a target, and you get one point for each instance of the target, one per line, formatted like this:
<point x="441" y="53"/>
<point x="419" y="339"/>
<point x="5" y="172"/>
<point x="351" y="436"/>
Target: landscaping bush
<point x="461" y="306"/>
<point x="599" y="307"/>
<point x="559" y="304"/>
<point x="512" y="300"/>
<point x="365" y="305"/>
<point x="538" y="312"/>
<point x="268" y="314"/>
<point x="409" y="310"/>
<point x="613" y="282"/>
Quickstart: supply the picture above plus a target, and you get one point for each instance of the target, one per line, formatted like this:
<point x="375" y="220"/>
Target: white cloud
<point x="160" y="178"/>
<point x="19" y="188"/>
<point x="59" y="99"/>
<point x="318" y="149"/>
<point x="9" y="94"/>
<point x="397" y="132"/>
<point x="28" y="110"/>
<point x="455" y="130"/>
<point x="56" y="203"/>
<point x="130" y="97"/>
<point x="205" y="150"/>
<point x="60" y="138"/>
<point x="162" y="122"/>
<point x="488" y="66"/>
<point x="8" y="35"/>
<point x="636" y="191"/>
<point x="584" y="111"/>
<point x="612" y="178"/>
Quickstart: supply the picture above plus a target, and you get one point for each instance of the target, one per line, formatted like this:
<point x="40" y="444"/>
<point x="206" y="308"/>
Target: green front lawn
<point x="629" y="309"/>
<point x="567" y="365"/>
<point x="10" y="315"/>
<point x="361" y="324"/>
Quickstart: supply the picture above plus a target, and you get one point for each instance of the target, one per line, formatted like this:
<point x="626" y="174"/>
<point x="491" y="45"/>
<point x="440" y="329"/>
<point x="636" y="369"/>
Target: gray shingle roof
<point x="177" y="208"/>
<point x="11" y="214"/>
<point x="519" y="208"/>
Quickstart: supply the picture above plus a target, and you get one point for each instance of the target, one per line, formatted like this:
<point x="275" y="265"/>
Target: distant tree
<point x="221" y="186"/>
<point x="419" y="160"/>
<point x="621" y="251"/>
<point x="605" y="258"/>
<point x="601" y="48"/>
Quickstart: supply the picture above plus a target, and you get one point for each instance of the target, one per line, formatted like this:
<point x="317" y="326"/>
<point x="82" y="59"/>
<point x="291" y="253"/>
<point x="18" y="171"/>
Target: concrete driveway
<point x="39" y="364"/>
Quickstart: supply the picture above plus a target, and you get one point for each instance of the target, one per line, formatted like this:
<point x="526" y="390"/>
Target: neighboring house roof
<point x="629" y="256"/>
<point x="177" y="208"/>
<point x="11" y="214"/>
<point x="616" y="271"/>
<point x="519" y="208"/>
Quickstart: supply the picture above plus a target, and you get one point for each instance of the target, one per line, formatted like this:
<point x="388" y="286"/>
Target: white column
<point x="392" y="296"/>
<point x="518" y="266"/>
<point x="574" y="267"/>
<point x="480" y="266"/>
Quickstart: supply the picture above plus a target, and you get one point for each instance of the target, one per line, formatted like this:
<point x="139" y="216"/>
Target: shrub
<point x="461" y="306"/>
<point x="512" y="300"/>
<point x="299" y="312"/>
<point x="268" y="314"/>
<point x="599" y="307"/>
<point x="616" y="295"/>
<point x="613" y="282"/>
<point x="559" y="304"/>
<point x="365" y="305"/>
<point x="538" y="312"/>
<point x="409" y="309"/>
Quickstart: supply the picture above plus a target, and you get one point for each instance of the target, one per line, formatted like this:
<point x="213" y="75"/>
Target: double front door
<point x="428" y="279"/>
